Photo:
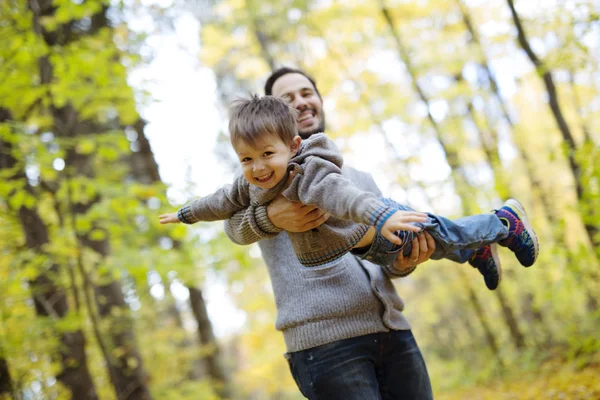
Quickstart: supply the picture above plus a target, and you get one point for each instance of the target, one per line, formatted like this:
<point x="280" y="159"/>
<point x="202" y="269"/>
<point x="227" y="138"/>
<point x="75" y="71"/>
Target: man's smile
<point x="306" y="117"/>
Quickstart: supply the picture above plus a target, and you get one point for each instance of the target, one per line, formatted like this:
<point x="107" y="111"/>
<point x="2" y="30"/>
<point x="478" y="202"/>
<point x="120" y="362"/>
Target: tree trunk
<point x="587" y="136"/>
<point x="489" y="142"/>
<point x="535" y="318"/>
<point x="510" y="320"/>
<point x="49" y="298"/>
<point x="211" y="350"/>
<point x="264" y="44"/>
<point x="142" y="163"/>
<point x="451" y="153"/>
<point x="123" y="358"/>
<point x="129" y="377"/>
<point x="554" y="104"/>
<point x="591" y="227"/>
<point x="150" y="174"/>
<point x="485" y="325"/>
<point x="6" y="385"/>
<point x="197" y="368"/>
<point x="123" y="361"/>
<point x="537" y="187"/>
<point x="453" y="160"/>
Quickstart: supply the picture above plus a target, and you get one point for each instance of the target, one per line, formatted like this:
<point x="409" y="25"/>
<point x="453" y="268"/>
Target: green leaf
<point x="97" y="234"/>
<point x="85" y="146"/>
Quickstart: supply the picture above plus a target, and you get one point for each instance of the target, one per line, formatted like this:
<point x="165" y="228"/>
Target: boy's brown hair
<point x="253" y="117"/>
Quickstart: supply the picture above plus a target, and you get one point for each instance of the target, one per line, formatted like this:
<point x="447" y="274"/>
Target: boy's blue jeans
<point x="455" y="240"/>
<point x="379" y="366"/>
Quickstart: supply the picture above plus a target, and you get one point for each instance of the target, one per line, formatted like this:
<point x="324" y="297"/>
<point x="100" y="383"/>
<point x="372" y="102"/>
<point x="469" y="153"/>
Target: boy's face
<point x="265" y="164"/>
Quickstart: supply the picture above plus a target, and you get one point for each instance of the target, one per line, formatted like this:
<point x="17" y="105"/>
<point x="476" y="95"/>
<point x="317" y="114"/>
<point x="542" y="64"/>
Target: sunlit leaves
<point x="67" y="10"/>
<point x="368" y="89"/>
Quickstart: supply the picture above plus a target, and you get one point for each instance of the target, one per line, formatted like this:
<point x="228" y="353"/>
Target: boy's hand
<point x="401" y="221"/>
<point x="169" y="218"/>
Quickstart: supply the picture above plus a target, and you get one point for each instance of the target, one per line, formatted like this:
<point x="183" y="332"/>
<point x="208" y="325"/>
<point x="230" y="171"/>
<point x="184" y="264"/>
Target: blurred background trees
<point x="452" y="105"/>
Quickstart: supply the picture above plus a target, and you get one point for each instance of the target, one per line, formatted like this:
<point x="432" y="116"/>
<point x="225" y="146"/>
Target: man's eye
<point x="246" y="159"/>
<point x="267" y="153"/>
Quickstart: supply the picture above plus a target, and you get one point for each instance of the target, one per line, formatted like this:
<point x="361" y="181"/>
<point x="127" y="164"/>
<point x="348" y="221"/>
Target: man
<point x="343" y="325"/>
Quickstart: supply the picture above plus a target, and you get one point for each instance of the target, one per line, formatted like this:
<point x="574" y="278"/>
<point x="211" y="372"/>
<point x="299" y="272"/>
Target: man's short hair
<point x="284" y="71"/>
<point x="254" y="117"/>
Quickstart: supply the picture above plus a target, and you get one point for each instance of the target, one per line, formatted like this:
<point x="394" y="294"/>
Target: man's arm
<point x="259" y="222"/>
<point x="422" y="249"/>
<point x="422" y="246"/>
<point x="262" y="222"/>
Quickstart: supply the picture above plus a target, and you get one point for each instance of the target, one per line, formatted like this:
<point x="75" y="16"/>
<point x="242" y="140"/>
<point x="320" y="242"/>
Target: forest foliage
<point x="464" y="103"/>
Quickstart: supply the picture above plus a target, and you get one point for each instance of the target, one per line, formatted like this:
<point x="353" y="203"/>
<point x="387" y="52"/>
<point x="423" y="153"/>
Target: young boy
<point x="264" y="136"/>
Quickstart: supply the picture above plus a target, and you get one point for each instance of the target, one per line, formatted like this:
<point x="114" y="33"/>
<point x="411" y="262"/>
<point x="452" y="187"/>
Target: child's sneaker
<point x="486" y="260"/>
<point x="521" y="238"/>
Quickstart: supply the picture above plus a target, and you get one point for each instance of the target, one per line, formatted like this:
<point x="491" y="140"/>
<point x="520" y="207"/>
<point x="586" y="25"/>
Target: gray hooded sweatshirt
<point x="344" y="299"/>
<point x="318" y="180"/>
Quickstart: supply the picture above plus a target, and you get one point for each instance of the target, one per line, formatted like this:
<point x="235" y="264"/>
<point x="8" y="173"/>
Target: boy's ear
<point x="295" y="145"/>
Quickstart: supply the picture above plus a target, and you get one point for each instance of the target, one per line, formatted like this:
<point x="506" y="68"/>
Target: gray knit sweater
<point x="319" y="181"/>
<point x="315" y="306"/>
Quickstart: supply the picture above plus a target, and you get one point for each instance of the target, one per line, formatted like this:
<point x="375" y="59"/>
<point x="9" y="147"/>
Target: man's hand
<point x="294" y="217"/>
<point x="401" y="221"/>
<point x="422" y="248"/>
<point x="169" y="218"/>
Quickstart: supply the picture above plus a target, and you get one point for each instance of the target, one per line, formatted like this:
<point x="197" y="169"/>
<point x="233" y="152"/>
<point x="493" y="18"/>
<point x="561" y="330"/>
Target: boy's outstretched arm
<point x="250" y="225"/>
<point x="217" y="206"/>
<point x="170" y="218"/>
<point x="322" y="184"/>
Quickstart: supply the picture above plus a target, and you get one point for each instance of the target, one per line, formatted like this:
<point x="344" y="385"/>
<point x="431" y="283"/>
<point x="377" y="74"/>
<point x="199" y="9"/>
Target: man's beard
<point x="320" y="128"/>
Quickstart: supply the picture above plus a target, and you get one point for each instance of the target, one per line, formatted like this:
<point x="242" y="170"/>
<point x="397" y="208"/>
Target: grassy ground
<point x="551" y="381"/>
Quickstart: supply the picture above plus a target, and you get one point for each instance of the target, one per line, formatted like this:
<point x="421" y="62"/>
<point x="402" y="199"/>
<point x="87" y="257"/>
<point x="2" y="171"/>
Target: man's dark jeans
<point x="379" y="366"/>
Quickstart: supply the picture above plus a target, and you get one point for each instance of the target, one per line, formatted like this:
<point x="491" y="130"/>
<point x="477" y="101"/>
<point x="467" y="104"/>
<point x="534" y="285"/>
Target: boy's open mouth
<point x="264" y="178"/>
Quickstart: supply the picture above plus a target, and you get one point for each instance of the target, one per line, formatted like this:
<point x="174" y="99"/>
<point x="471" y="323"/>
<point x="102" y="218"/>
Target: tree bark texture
<point x="6" y="384"/>
<point x="49" y="297"/>
<point x="209" y="343"/>
<point x="553" y="102"/>
<point x="123" y="360"/>
<point x="145" y="169"/>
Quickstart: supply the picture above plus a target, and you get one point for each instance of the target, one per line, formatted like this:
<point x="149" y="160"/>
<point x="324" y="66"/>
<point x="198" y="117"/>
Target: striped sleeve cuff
<point x="379" y="217"/>
<point x="185" y="215"/>
<point x="263" y="221"/>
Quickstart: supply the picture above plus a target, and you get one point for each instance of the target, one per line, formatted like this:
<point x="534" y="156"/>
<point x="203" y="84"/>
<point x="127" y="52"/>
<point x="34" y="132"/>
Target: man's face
<point x="301" y="94"/>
